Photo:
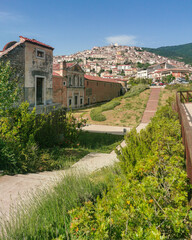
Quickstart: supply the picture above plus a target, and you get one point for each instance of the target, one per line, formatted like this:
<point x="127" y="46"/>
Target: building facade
<point x="32" y="62"/>
<point x="68" y="84"/>
<point x="99" y="89"/>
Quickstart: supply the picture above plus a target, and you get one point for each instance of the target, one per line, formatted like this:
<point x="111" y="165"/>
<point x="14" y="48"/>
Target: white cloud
<point x="6" y="16"/>
<point x="122" y="39"/>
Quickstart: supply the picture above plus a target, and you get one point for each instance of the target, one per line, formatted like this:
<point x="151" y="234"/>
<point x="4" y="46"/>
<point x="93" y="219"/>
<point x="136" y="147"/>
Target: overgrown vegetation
<point x="46" y="215"/>
<point x="135" y="81"/>
<point x="23" y="134"/>
<point x="8" y="88"/>
<point x="150" y="198"/>
<point x="96" y="113"/>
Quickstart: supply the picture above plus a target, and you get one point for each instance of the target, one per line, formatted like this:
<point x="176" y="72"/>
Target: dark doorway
<point x="75" y="100"/>
<point x="39" y="91"/>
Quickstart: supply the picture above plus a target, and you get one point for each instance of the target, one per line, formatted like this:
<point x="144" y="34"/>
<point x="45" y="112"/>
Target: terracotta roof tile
<point x="35" y="42"/>
<point x="56" y="74"/>
<point x="95" y="78"/>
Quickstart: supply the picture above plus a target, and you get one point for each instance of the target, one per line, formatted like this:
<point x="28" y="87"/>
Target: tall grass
<point x="45" y="216"/>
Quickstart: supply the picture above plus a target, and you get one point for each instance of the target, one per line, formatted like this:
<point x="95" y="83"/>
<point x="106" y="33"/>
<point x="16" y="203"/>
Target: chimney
<point x="62" y="67"/>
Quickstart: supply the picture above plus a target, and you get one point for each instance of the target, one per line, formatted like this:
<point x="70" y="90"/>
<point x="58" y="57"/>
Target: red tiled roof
<point x="70" y="64"/>
<point x="94" y="78"/>
<point x="56" y="66"/>
<point x="35" y="42"/>
<point x="56" y="74"/>
<point x="172" y="69"/>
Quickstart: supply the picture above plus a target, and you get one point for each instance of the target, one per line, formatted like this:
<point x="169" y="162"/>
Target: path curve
<point x="16" y="188"/>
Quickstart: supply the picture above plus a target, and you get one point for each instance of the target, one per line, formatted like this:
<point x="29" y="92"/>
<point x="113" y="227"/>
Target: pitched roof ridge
<point x="35" y="42"/>
<point x="9" y="49"/>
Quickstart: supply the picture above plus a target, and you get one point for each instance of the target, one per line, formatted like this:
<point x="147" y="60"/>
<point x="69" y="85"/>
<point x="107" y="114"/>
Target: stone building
<point x="68" y="84"/>
<point x="32" y="61"/>
<point x="99" y="89"/>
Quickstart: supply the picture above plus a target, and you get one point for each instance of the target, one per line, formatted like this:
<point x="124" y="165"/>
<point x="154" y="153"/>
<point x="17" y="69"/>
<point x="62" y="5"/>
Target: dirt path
<point x="16" y="188"/>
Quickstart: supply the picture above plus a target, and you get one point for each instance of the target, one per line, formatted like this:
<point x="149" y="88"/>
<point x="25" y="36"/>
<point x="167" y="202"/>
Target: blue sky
<point x="75" y="25"/>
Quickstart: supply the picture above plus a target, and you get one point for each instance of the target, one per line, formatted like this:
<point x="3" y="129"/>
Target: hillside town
<point x="123" y="62"/>
<point x="84" y="78"/>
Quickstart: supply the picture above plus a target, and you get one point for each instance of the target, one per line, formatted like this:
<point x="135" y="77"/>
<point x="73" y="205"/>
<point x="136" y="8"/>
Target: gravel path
<point x="15" y="188"/>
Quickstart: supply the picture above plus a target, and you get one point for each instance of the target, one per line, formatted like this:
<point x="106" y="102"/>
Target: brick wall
<point x="99" y="91"/>
<point x="59" y="91"/>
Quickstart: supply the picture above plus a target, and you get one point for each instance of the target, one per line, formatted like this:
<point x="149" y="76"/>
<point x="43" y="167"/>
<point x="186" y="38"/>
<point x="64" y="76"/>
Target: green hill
<point x="180" y="52"/>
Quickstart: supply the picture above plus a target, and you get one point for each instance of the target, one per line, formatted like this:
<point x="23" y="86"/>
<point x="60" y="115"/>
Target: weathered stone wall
<point x="37" y="67"/>
<point x="17" y="61"/>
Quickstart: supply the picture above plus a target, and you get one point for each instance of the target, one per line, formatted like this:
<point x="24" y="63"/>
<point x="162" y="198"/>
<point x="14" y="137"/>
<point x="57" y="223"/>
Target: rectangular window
<point x="40" y="54"/>
<point x="81" y="101"/>
<point x="69" y="102"/>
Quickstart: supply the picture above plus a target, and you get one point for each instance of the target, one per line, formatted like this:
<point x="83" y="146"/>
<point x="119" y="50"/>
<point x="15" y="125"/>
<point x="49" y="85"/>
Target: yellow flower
<point x="128" y="202"/>
<point x="77" y="229"/>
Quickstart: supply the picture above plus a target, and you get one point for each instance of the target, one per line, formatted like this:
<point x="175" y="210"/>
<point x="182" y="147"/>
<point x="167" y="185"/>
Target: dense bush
<point x="148" y="201"/>
<point x="22" y="133"/>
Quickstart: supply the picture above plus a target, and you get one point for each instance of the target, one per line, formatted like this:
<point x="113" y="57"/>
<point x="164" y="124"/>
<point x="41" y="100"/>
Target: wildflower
<point x="128" y="202"/>
<point x="151" y="201"/>
<point x="77" y="229"/>
<point x="93" y="229"/>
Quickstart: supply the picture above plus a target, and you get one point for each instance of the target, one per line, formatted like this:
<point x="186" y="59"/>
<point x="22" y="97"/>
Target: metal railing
<point x="186" y="129"/>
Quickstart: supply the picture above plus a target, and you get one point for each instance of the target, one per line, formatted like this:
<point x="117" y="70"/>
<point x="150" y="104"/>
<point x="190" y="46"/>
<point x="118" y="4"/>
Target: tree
<point x="9" y="90"/>
<point x="168" y="78"/>
<point x="122" y="73"/>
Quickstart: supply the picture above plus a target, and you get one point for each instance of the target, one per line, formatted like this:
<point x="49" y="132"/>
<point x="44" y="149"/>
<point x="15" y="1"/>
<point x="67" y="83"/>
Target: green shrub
<point x="96" y="114"/>
<point x="136" y="90"/>
<point x="23" y="133"/>
<point x="19" y="150"/>
<point x="148" y="201"/>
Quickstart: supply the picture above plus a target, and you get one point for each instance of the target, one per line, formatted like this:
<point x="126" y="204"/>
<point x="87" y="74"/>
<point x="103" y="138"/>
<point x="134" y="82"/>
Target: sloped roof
<point x="34" y="41"/>
<point x="95" y="78"/>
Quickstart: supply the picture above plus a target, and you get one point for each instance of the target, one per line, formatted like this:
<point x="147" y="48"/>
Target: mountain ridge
<point x="181" y="52"/>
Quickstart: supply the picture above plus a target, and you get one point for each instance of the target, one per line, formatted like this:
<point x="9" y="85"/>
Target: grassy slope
<point x="128" y="113"/>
